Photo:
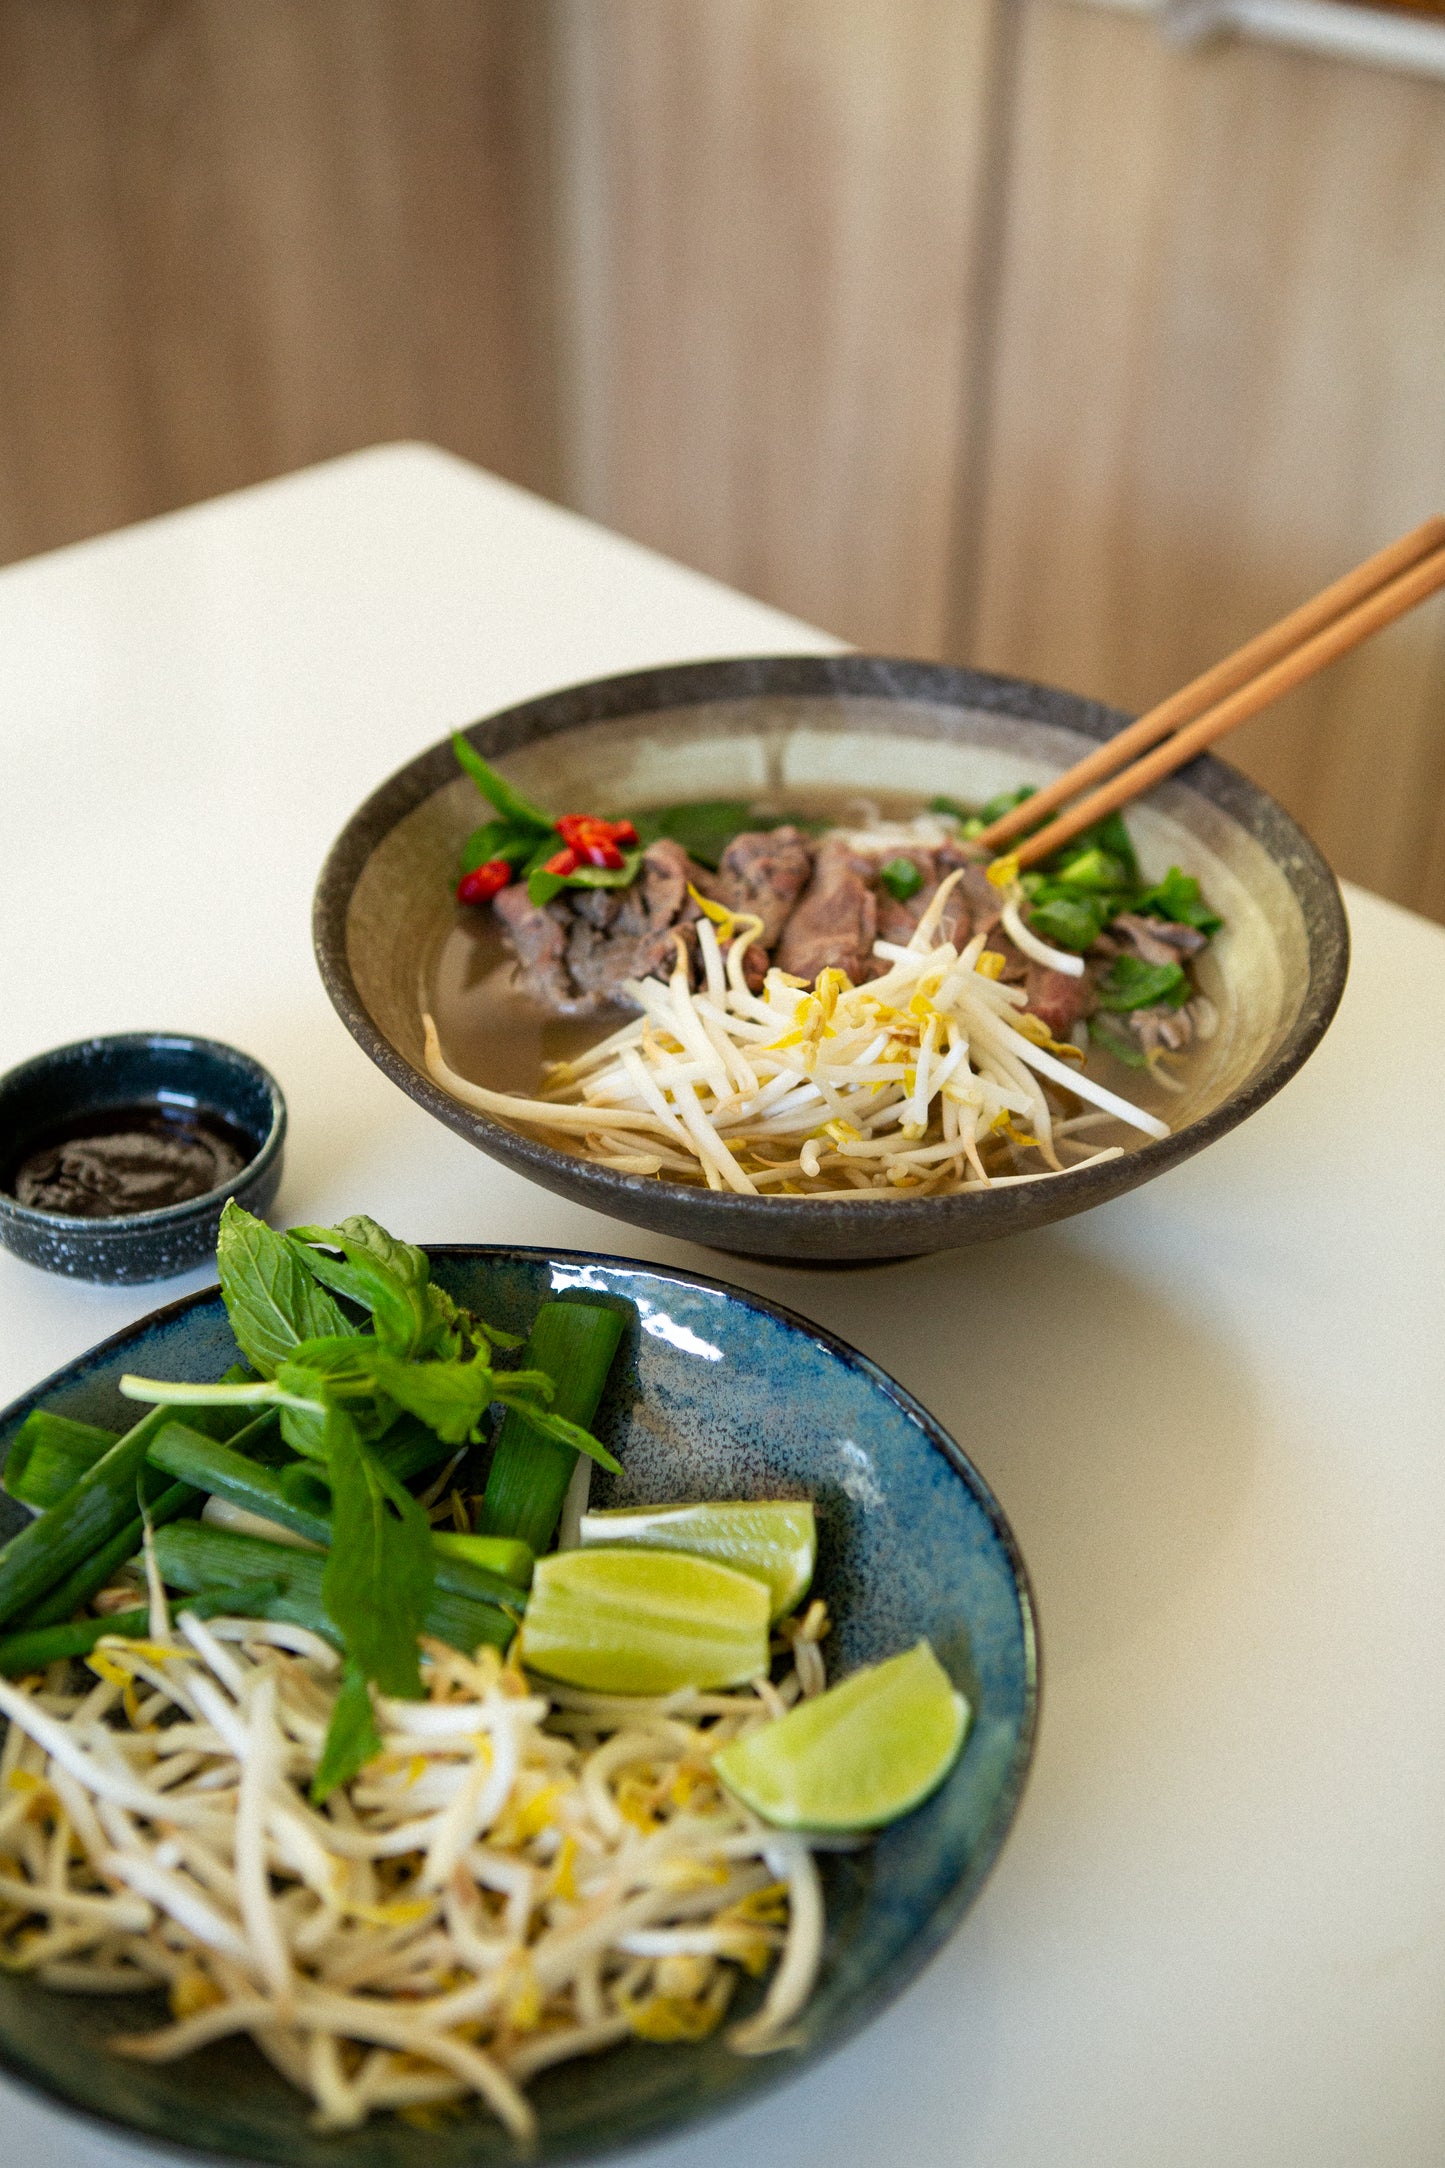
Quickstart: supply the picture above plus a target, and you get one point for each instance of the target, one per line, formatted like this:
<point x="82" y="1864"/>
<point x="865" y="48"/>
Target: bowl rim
<point x="888" y="1984"/>
<point x="123" y="1224"/>
<point x="924" y="1222"/>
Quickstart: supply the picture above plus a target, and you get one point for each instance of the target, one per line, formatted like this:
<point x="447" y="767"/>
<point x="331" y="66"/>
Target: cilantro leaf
<point x="1130" y="983"/>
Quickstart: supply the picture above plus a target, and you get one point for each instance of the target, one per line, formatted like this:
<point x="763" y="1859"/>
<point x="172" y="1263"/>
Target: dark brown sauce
<point x="119" y="1160"/>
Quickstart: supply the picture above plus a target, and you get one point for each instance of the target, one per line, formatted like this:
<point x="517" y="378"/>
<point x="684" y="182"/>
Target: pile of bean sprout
<point x="527" y="1872"/>
<point x="929" y="1079"/>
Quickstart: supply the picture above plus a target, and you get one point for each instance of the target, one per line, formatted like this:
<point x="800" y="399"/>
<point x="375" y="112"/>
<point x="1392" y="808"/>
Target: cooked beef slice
<point x="763" y="872"/>
<point x="598" y="963"/>
<point x="836" y="921"/>
<point x="1057" y="998"/>
<point x="1016" y="965"/>
<point x="574" y="953"/>
<point x="985" y="904"/>
<point x="1160" y="1029"/>
<point x="1157" y="940"/>
<point x="898" y="922"/>
<point x="658" y="897"/>
<point x="538" y="937"/>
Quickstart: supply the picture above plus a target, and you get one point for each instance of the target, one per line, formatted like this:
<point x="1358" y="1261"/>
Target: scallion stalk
<point x="574" y="1343"/>
<point x="48" y="1456"/>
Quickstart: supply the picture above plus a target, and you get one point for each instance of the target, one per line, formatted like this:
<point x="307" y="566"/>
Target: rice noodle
<point x="831" y="1090"/>
<point x="488" y="1897"/>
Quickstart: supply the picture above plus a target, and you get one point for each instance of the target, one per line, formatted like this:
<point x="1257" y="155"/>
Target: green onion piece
<point x="192" y="1555"/>
<point x="210" y="1466"/>
<point x="90" y="1514"/>
<point x="901" y="878"/>
<point x="1096" y="870"/>
<point x="502" y="1555"/>
<point x="79" y="1585"/>
<point x="574" y="1342"/>
<point x="34" y="1647"/>
<point x="50" y="1454"/>
<point x="485" y="1571"/>
<point x="1069" y="922"/>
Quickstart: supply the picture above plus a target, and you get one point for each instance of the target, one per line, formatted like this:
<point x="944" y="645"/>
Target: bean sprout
<point x="520" y="1876"/>
<point x="834" y="1090"/>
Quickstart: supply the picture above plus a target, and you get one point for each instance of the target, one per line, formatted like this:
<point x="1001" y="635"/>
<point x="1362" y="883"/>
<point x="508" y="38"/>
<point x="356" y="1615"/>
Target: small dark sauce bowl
<point x="95" y="1075"/>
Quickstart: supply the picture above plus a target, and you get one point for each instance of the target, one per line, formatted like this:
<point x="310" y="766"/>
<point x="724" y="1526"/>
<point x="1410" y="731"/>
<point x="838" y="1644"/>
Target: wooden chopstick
<point x="1345" y="631"/>
<point x="1237" y="670"/>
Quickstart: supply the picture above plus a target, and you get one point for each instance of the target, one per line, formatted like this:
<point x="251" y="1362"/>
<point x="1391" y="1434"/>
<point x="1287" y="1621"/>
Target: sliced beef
<point x="1016" y="966"/>
<point x="764" y="872"/>
<point x="1157" y="940"/>
<point x="1162" y="1029"/>
<point x="538" y="937"/>
<point x="1057" y="998"/>
<point x="574" y="953"/>
<point x="836" y="922"/>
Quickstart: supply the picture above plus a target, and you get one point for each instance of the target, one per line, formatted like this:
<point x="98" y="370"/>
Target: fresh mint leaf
<point x="378" y="1575"/>
<point x="449" y="1396"/>
<point x="1004" y="803"/>
<point x="272" y="1301"/>
<point x="352" y="1739"/>
<point x="386" y="1276"/>
<point x="451" y="1329"/>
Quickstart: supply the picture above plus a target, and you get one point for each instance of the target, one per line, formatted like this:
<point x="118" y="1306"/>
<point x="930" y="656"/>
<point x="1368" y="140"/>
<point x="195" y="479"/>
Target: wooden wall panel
<point x="1216" y="381"/>
<point x="237" y="239"/>
<point x="774" y="213"/>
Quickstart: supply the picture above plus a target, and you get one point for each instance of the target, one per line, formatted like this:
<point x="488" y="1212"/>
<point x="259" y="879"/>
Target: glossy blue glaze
<point x="716" y="1394"/>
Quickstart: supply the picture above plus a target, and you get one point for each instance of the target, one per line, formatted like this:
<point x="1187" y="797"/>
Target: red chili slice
<point x="484" y="882"/>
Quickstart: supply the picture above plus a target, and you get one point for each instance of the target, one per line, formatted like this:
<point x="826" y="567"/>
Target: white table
<point x="1212" y="1410"/>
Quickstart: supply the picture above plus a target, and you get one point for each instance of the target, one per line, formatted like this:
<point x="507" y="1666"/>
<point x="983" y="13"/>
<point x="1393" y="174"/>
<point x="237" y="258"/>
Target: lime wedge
<point x="773" y="1539"/>
<point x="644" y="1622"/>
<point x="857" y="1756"/>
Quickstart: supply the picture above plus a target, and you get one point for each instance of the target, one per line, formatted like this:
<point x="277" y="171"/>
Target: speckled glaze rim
<point x="888" y="1984"/>
<point x="126" y="1226"/>
<point x="891" y="1227"/>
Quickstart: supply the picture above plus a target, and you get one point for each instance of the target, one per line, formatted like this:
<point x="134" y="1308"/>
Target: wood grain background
<point x="989" y="329"/>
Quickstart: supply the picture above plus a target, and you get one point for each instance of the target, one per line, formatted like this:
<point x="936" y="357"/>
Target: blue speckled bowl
<point x="721" y="1395"/>
<point x="92" y="1075"/>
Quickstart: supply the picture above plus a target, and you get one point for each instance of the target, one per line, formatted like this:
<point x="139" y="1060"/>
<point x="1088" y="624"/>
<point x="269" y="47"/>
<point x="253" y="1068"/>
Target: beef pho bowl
<point x="712" y="948"/>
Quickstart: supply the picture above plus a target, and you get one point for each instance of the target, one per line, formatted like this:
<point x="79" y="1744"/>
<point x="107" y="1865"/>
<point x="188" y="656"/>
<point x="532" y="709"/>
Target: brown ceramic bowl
<point x="806" y="723"/>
